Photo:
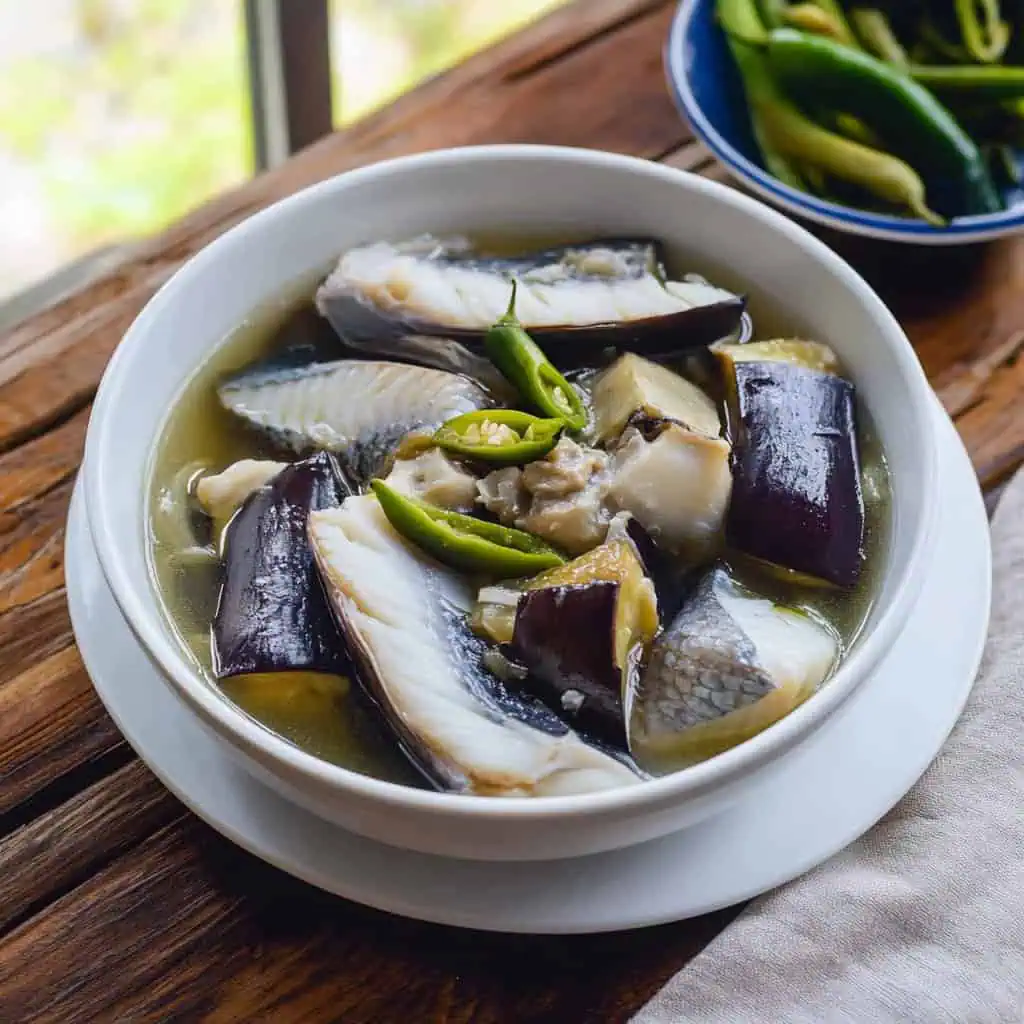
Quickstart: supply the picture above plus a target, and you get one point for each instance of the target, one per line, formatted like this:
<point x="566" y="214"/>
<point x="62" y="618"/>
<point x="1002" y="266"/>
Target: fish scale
<point x="357" y="408"/>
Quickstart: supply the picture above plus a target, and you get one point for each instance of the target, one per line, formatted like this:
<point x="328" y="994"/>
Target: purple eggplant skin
<point x="272" y="614"/>
<point x="371" y="332"/>
<point x="796" y="497"/>
<point x="565" y="638"/>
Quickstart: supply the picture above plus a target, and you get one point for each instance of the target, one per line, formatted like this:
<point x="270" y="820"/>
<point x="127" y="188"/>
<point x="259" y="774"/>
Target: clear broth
<point x="330" y="718"/>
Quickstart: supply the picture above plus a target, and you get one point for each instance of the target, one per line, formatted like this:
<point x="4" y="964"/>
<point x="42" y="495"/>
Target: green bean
<point x="772" y="12"/>
<point x="910" y="121"/>
<point x="838" y="17"/>
<point x="809" y="17"/>
<point x="883" y="175"/>
<point x="802" y="142"/>
<point x="877" y="35"/>
<point x="971" y="81"/>
<point x="985" y="41"/>
<point x="741" y="21"/>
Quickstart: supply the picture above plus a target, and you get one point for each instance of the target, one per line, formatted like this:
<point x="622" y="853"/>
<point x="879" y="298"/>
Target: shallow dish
<point x="705" y="84"/>
<point x="531" y="190"/>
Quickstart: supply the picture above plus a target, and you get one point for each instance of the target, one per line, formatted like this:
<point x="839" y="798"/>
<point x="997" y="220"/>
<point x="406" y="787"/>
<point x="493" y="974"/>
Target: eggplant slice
<point x="358" y="409"/>
<point x="403" y="616"/>
<point x="796" y="497"/>
<point x="581" y="631"/>
<point x="729" y="665"/>
<point x="430" y="302"/>
<point x="272" y="615"/>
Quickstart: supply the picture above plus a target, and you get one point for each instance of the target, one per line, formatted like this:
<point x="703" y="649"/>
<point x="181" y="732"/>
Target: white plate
<point x="825" y="796"/>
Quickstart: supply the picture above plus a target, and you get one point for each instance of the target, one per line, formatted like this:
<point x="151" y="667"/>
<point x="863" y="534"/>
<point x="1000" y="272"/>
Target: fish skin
<point x="703" y="665"/>
<point x="359" y="409"/>
<point x="404" y="617"/>
<point x="710" y="684"/>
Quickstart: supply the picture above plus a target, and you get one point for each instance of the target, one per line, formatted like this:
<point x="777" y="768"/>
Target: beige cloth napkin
<point x="921" y="921"/>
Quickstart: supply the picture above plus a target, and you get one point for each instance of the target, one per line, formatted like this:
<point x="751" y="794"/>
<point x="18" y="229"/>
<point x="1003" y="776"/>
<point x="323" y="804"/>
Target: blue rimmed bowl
<point x="707" y="89"/>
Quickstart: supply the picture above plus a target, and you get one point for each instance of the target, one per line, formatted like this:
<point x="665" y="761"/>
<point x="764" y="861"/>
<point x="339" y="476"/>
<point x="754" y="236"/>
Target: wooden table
<point x="115" y="902"/>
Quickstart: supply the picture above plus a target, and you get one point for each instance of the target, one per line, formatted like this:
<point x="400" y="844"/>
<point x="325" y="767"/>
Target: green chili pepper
<point x="463" y="542"/>
<point x="911" y="122"/>
<point x="505" y="437"/>
<point x="521" y="360"/>
<point x="798" y="139"/>
<point x="971" y="81"/>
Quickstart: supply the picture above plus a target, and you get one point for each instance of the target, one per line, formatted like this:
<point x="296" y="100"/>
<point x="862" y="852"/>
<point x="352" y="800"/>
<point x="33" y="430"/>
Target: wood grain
<point x="115" y="903"/>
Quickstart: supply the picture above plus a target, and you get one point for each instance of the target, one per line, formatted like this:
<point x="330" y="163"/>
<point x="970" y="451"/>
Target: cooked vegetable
<point x="357" y="409"/>
<point x="432" y="301"/>
<point x="909" y="119"/>
<point x="809" y="17"/>
<point x="985" y="37"/>
<point x="811" y="354"/>
<point x="636" y="385"/>
<point x="504" y="437"/>
<point x="883" y="88"/>
<point x="875" y="31"/>
<point x="523" y="363"/>
<point x="967" y="81"/>
<point x="796" y="495"/>
<point x="729" y="665"/>
<point x="434" y="629"/>
<point x="220" y="494"/>
<point x="784" y="133"/>
<point x="271" y="614"/>
<point x="583" y="642"/>
<point x="462" y="541"/>
<point x="403" y="618"/>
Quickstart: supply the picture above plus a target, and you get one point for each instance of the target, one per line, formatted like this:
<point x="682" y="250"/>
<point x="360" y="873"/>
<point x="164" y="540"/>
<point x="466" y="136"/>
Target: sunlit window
<point x="118" y="116"/>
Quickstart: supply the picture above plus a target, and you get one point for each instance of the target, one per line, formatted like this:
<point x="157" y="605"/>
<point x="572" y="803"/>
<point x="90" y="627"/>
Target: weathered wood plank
<point x="52" y="726"/>
<point x="61" y="848"/>
<point x="188" y="927"/>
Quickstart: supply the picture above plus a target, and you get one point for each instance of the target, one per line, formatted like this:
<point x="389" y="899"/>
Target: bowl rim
<point x="961" y="231"/>
<point x="139" y="604"/>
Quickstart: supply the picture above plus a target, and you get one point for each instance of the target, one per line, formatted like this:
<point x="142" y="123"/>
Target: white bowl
<point x="543" y="190"/>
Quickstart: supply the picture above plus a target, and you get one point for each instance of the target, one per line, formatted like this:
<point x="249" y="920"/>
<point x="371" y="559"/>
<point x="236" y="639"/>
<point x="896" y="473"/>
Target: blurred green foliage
<point x="146" y="113"/>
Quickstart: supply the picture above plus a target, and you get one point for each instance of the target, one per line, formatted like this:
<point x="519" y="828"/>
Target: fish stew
<point x="516" y="524"/>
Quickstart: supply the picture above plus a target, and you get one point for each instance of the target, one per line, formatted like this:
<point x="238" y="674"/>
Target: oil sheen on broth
<point x="329" y="717"/>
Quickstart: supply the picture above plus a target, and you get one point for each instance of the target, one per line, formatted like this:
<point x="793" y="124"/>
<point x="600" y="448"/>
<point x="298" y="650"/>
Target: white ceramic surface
<point x="825" y="795"/>
<point x="730" y="237"/>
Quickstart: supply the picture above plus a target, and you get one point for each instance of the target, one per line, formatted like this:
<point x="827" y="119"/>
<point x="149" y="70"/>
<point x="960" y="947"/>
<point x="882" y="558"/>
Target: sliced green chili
<point x="504" y="437"/>
<point x="463" y="542"/>
<point x="521" y="360"/>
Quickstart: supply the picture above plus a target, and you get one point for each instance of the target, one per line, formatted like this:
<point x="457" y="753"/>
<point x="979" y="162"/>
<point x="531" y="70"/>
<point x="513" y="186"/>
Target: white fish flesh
<point x="576" y="301"/>
<point x="404" y="618"/>
<point x="675" y="482"/>
<point x="358" y="409"/>
<point x="436" y="479"/>
<point x="728" y="666"/>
